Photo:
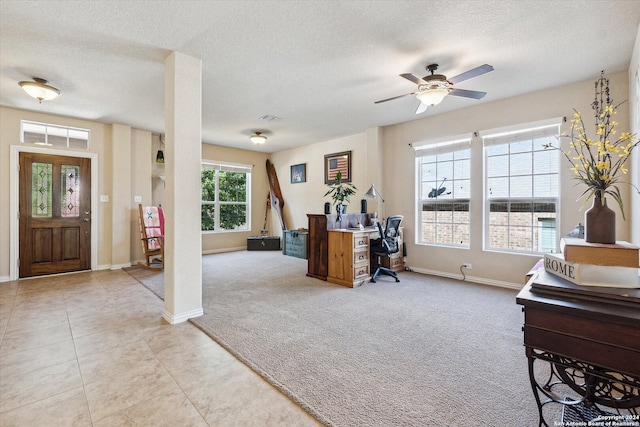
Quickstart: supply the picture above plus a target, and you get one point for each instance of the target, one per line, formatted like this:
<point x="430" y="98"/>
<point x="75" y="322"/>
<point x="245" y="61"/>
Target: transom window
<point x="225" y="196"/>
<point x="521" y="189"/>
<point x="54" y="135"/>
<point x="444" y="182"/>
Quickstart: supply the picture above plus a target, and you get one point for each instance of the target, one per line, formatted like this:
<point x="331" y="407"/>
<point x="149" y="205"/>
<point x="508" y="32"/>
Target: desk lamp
<point x="373" y="193"/>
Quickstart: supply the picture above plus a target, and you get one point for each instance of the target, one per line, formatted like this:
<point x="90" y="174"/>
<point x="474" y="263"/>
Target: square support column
<point x="121" y="197"/>
<point x="183" y="241"/>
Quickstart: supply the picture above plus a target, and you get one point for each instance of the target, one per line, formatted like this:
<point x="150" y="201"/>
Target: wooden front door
<point x="55" y="214"/>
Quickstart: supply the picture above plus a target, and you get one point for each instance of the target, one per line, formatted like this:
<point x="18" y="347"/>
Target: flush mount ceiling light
<point x="39" y="89"/>
<point x="258" y="138"/>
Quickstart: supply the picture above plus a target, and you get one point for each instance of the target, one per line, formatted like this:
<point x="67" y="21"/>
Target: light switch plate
<point x="104" y="198"/>
<point x="137" y="199"/>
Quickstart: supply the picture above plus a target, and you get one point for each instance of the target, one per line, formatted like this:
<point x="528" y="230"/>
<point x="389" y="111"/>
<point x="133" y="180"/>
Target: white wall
<point x="141" y="167"/>
<point x="308" y="198"/>
<point x="490" y="267"/>
<point x="634" y="118"/>
<point x="121" y="198"/>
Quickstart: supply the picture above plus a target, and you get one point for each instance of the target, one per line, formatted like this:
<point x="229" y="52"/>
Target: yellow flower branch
<point x="598" y="168"/>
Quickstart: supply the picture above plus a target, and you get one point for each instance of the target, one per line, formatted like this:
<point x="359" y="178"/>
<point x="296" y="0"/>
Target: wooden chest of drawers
<point x="349" y="257"/>
<point x="394" y="262"/>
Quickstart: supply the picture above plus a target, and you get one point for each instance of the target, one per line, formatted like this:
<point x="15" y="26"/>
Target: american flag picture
<point x="339" y="162"/>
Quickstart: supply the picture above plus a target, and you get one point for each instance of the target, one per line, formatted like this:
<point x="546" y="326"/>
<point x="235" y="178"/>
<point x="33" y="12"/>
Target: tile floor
<point x="91" y="349"/>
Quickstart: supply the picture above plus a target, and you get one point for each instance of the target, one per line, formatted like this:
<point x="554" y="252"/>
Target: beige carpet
<point x="150" y="279"/>
<point x="423" y="352"/>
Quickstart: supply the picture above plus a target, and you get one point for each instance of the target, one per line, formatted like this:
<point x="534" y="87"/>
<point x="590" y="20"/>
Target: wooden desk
<point x="591" y="340"/>
<point x="319" y="225"/>
<point x="348" y="256"/>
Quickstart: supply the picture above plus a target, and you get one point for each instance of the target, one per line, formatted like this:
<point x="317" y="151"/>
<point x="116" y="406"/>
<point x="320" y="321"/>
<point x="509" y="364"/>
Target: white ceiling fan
<point x="433" y="88"/>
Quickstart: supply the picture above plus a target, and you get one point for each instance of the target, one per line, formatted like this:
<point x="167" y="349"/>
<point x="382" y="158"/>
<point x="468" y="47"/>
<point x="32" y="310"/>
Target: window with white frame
<point x="54" y="135"/>
<point x="444" y="188"/>
<point x="225" y="197"/>
<point x="521" y="188"/>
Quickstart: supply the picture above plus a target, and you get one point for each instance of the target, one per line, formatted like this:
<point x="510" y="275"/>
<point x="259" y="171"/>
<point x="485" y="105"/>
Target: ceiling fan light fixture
<point x="431" y="97"/>
<point x="258" y="138"/>
<point x="39" y="89"/>
<point x="433" y="88"/>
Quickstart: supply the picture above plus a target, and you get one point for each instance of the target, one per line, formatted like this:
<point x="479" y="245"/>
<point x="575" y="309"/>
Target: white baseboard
<point x="474" y="279"/>
<point x="5" y="279"/>
<point x="119" y="266"/>
<point x="219" y="251"/>
<point x="181" y="317"/>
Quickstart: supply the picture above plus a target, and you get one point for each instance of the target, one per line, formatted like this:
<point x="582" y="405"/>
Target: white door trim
<point x="14" y="207"/>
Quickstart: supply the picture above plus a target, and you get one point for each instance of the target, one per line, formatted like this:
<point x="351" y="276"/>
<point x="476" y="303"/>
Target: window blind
<point x="442" y="147"/>
<point x="536" y="130"/>
<point x="227" y="167"/>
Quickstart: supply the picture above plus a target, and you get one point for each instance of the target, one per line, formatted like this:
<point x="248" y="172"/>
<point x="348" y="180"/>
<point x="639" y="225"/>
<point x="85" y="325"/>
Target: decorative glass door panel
<point x="42" y="189"/>
<point x="70" y="185"/>
<point x="55" y="214"/>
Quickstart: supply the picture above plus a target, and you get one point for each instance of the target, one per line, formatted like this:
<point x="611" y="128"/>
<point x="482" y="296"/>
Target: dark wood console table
<point x="319" y="225"/>
<point x="590" y="339"/>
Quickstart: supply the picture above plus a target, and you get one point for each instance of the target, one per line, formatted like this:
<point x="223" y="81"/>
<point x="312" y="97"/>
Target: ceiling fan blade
<point x="417" y="80"/>
<point x="475" y="72"/>
<point x="421" y="108"/>
<point x="467" y="93"/>
<point x="395" y="97"/>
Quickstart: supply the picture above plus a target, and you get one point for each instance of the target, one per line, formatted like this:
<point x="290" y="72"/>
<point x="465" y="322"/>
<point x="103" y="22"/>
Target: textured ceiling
<point x="318" y="65"/>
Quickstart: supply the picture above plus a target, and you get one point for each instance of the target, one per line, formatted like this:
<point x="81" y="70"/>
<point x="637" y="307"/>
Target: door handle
<point x="85" y="219"/>
<point x="87" y="212"/>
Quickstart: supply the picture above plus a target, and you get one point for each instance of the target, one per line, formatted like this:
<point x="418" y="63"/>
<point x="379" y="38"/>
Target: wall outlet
<point x="467" y="265"/>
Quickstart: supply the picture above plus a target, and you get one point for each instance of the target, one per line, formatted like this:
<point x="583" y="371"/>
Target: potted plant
<point x="340" y="192"/>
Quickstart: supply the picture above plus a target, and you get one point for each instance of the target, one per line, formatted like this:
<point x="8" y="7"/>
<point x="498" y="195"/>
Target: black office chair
<point x="387" y="245"/>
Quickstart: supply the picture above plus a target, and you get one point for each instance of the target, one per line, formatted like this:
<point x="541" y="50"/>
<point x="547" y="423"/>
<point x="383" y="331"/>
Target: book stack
<point x="598" y="265"/>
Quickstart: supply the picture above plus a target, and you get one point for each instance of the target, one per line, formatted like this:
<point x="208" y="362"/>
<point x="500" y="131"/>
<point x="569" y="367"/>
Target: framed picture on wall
<point x="299" y="173"/>
<point x="334" y="163"/>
